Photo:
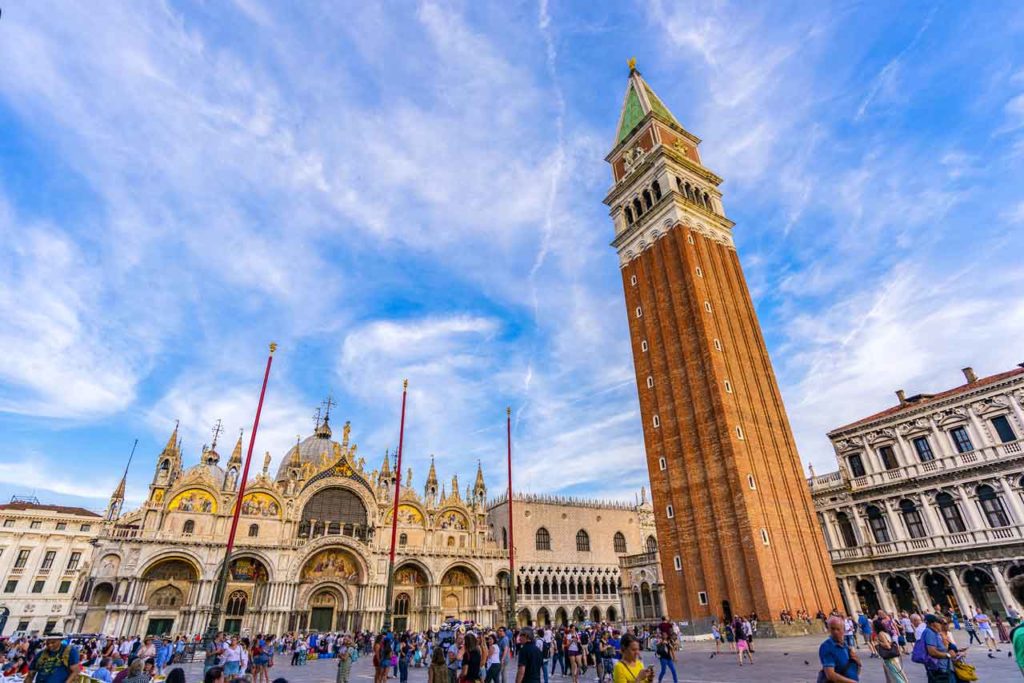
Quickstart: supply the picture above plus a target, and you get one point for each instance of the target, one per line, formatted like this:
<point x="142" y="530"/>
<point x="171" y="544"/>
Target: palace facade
<point x="44" y="554"/>
<point x="311" y="551"/>
<point x="927" y="505"/>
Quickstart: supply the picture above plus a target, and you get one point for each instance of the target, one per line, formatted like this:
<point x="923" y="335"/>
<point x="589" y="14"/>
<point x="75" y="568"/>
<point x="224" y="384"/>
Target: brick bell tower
<point x="736" y="527"/>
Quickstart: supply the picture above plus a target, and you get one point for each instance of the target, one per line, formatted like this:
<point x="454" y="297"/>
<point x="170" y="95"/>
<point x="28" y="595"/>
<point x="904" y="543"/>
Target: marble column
<point x="884" y="594"/>
<point x="1012" y="501"/>
<point x="1002" y="588"/>
<point x="968" y="504"/>
<point x="920" y="594"/>
<point x="963" y="597"/>
<point x="895" y="520"/>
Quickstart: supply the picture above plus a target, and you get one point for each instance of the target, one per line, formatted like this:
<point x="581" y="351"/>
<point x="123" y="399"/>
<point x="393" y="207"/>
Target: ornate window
<point x="403" y="539"/>
<point x="912" y="518"/>
<point x="335" y="505"/>
<point x="924" y="449"/>
<point x="1003" y="429"/>
<point x="846" y="530"/>
<point x="254" y="530"/>
<point x="950" y="513"/>
<point x="856" y="465"/>
<point x="582" y="541"/>
<point x="652" y="544"/>
<point x="188" y="528"/>
<point x="879" y="528"/>
<point x="620" y="542"/>
<point x="992" y="507"/>
<point x="961" y="439"/>
<point x="543" y="539"/>
<point x="889" y="461"/>
<point x="236" y="604"/>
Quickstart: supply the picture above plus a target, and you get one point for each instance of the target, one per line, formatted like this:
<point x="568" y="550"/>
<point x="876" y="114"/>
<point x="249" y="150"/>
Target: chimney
<point x="969" y="375"/>
<point x="902" y="396"/>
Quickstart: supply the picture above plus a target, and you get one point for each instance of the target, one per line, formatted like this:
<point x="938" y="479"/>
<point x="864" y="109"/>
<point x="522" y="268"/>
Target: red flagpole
<point x="394" y="513"/>
<point x="248" y="456"/>
<point x="511" y="530"/>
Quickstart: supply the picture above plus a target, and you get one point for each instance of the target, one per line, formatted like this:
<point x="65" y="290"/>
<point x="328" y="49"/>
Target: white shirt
<point x="919" y="631"/>
<point x="232" y="654"/>
<point x="493" y="656"/>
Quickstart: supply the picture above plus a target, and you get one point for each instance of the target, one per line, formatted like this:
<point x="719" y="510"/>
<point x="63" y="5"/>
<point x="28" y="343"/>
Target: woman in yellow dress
<point x="630" y="669"/>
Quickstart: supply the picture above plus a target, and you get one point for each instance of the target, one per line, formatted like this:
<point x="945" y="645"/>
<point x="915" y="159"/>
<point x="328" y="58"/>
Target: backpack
<point x="920" y="654"/>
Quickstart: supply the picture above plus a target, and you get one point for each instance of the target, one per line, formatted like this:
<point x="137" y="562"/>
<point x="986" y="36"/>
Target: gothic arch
<point x="470" y="569"/>
<point x="410" y="562"/>
<point x="174" y="554"/>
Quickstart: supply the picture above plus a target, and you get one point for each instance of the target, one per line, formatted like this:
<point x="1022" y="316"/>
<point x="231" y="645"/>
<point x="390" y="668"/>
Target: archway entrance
<point x="579" y="615"/>
<point x="868" y="596"/>
<point x="938" y="590"/>
<point x="983" y="591"/>
<point x="411" y="581"/>
<point x="595" y="615"/>
<point x="561" y="617"/>
<point x="902" y="593"/>
<point x="726" y="612"/>
<point x="543" y="617"/>
<point x="98" y="601"/>
<point x="458" y="593"/>
<point x="612" y="615"/>
<point x="523" y="618"/>
<point x="401" y="612"/>
<point x="331" y="571"/>
<point x="170" y="586"/>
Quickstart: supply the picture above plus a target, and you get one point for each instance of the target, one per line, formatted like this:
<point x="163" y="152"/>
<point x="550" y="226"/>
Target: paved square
<point x="778" y="661"/>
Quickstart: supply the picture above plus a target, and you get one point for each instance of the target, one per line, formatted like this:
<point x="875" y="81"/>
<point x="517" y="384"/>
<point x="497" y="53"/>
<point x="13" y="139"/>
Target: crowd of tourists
<point x="926" y="639"/>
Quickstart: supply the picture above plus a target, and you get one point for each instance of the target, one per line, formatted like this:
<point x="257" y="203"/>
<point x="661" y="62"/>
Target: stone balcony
<point x="638" y="560"/>
<point x="928" y="544"/>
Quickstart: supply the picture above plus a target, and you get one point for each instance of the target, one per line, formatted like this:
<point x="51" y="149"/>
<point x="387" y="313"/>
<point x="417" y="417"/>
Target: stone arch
<point x="327" y="603"/>
<point x="523" y="617"/>
<point x="561" y="617"/>
<point x="254" y="556"/>
<point x="428" y="576"/>
<point x="338" y="563"/>
<point x="981" y="586"/>
<point x="334" y="510"/>
<point x="579" y="615"/>
<point x="613" y="614"/>
<point x="543" y="617"/>
<point x="99" y="598"/>
<point x="181" y="555"/>
<point x="595" y="614"/>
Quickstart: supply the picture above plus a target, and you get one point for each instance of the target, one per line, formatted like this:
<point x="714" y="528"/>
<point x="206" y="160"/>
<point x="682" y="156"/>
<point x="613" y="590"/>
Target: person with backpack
<point x="839" y="661"/>
<point x="665" y="652"/>
<point x="931" y="652"/>
<point x="55" y="663"/>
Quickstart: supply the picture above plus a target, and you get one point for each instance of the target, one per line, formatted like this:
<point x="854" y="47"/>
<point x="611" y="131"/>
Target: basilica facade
<point x="311" y="549"/>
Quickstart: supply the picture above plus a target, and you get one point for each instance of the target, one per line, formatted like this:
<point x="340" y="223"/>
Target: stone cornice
<point x="667" y="214"/>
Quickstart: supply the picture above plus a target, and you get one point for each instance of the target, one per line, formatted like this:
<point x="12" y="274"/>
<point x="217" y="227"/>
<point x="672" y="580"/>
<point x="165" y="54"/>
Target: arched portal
<point x="170" y="586"/>
<point x="902" y="593"/>
<point x="868" y="596"/>
<point x="334" y="574"/>
<point x="646" y="601"/>
<point x="247" y="576"/>
<point x="939" y="590"/>
<point x="613" y="615"/>
<point x="543" y="617"/>
<point x="561" y="617"/>
<point x="411" y="581"/>
<point x="98" y="601"/>
<point x="579" y="615"/>
<point x="327" y="610"/>
<point x="983" y="591"/>
<point x="523" y="618"/>
<point x="459" y="589"/>
<point x="595" y="614"/>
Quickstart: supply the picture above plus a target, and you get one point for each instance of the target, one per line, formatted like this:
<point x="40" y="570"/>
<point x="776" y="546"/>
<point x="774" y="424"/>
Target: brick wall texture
<point x="724" y="487"/>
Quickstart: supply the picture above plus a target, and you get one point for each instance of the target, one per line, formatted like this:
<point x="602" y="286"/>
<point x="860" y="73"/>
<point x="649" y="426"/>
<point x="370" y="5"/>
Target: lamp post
<point x="510" y="617"/>
<point x="394" y="515"/>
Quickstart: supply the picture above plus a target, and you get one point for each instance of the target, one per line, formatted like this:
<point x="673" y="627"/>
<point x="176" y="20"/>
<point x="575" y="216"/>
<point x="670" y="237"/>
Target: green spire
<point x="640" y="100"/>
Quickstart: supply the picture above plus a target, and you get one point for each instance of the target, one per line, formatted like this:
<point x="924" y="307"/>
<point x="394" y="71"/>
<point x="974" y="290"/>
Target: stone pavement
<point x="778" y="661"/>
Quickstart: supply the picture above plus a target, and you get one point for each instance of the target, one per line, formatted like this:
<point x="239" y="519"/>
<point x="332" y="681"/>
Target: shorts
<point x="261" y="660"/>
<point x="232" y="668"/>
<point x="741" y="644"/>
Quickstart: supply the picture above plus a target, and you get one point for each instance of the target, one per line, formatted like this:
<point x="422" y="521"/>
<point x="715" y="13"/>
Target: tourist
<point x="743" y="648"/>
<point x="985" y="631"/>
<point x="849" y="632"/>
<point x="454" y="659"/>
<point x="839" y="661"/>
<point x="344" y="654"/>
<point x="938" y="659"/>
<point x="175" y="675"/>
<point x="55" y="663"/>
<point x="504" y="643"/>
<point x="493" y="662"/>
<point x="558" y="655"/>
<point x="214" y="674"/>
<point x="260" y="660"/>
<point x="231" y="658"/>
<point x="630" y="669"/>
<point x="716" y="635"/>
<point x="666" y="657"/>
<point x="214" y="651"/>
<point x="530" y="661"/>
<point x="890" y="652"/>
<point x="136" y="672"/>
<point x="472" y="659"/>
<point x="437" y="671"/>
<point x="102" y="673"/>
<point x="573" y="651"/>
<point x="972" y="631"/>
<point x="1001" y="629"/>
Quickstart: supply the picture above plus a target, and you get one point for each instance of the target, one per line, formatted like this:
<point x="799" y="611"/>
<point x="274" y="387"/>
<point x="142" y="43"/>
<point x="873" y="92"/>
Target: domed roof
<point x="207" y="466"/>
<point x="311" y="450"/>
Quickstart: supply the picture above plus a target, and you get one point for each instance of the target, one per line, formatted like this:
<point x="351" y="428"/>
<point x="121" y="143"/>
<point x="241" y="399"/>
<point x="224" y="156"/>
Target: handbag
<point x="964" y="671"/>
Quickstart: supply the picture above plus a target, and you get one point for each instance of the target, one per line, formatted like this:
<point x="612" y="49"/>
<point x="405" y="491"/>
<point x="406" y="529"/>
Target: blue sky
<point x="414" y="190"/>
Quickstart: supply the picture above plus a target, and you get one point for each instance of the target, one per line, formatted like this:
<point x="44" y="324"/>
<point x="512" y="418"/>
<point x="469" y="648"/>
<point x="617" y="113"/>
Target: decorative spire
<point x="323" y="429"/>
<point x="296" y="458"/>
<point x="432" y="474"/>
<point x="479" y="486"/>
<point x="455" y="486"/>
<point x="172" y="443"/>
<point x="345" y="432"/>
<point x="119" y="491"/>
<point x="385" y="469"/>
<point x="236" y="454"/>
<point x="408" y="478"/>
<point x="640" y="101"/>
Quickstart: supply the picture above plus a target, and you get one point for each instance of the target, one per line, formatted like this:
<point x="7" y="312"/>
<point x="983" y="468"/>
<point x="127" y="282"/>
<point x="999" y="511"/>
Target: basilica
<point x="312" y="544"/>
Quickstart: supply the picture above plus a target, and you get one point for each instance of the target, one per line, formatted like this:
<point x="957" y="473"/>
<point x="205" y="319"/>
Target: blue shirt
<point x="837" y="656"/>
<point x="864" y="623"/>
<point x="102" y="674"/>
<point x="54" y="667"/>
<point x="933" y="639"/>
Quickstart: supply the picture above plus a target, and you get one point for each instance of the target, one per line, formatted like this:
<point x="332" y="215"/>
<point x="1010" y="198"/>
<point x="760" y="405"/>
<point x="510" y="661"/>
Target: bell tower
<point x="736" y="528"/>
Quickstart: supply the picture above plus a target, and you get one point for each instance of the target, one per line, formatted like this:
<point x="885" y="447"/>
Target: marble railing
<point x="927" y="544"/>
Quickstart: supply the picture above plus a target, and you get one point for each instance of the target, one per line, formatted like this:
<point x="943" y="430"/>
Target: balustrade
<point x="912" y="546"/>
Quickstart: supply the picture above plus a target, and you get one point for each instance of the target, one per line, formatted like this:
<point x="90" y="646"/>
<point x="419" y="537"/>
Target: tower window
<point x="650" y="382"/>
<point x="707" y="306"/>
<point x="702" y="597"/>
<point x="657" y="421"/>
<point x="718" y="345"/>
<point x="643" y="346"/>
<point x="764" y="536"/>
<point x="629" y="216"/>
<point x="739" y="432"/>
<point x="669" y="512"/>
<point x="700" y="273"/>
<point x="639" y="312"/>
<point x="728" y="387"/>
<point x="648" y="202"/>
<point x="656" y="188"/>
<point x="751" y="483"/>
<point x="632" y="280"/>
<point x="662" y="464"/>
<point x="678" y="563"/>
